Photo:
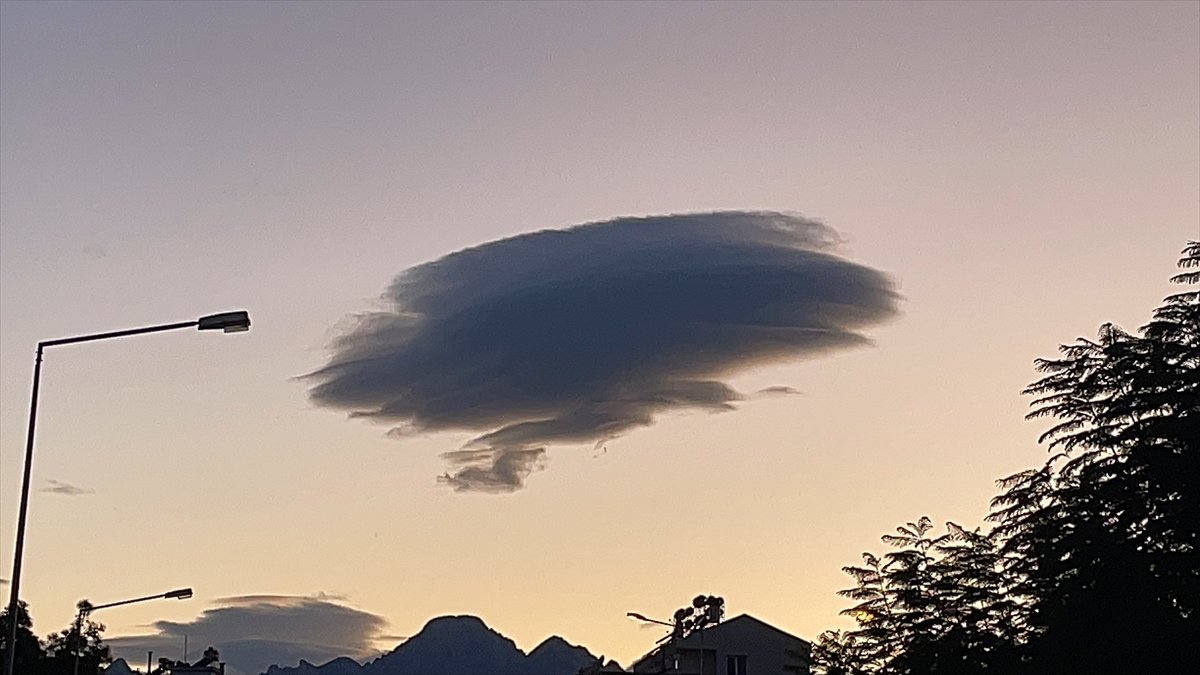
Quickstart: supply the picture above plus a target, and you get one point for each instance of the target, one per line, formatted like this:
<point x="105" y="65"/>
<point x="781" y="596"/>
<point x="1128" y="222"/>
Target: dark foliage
<point x="1104" y="537"/>
<point x="63" y="647"/>
<point x="29" y="649"/>
<point x="934" y="605"/>
<point x="57" y="653"/>
<point x="1093" y="564"/>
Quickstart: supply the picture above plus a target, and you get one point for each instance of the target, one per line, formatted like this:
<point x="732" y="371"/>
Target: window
<point x="735" y="665"/>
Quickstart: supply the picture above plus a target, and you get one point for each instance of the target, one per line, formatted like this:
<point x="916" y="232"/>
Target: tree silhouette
<point x="934" y="605"/>
<point x="1104" y="536"/>
<point x="29" y="649"/>
<point x="1093" y="563"/>
<point x="841" y="653"/>
<point x="55" y="656"/>
<point x="63" y="647"/>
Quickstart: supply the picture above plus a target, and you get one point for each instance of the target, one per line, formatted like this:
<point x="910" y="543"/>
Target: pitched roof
<point x="746" y="618"/>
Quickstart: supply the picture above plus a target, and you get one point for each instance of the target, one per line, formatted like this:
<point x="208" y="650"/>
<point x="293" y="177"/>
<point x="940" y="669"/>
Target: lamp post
<point x="639" y="617"/>
<point x="676" y="628"/>
<point x="86" y="608"/>
<point x="228" y="322"/>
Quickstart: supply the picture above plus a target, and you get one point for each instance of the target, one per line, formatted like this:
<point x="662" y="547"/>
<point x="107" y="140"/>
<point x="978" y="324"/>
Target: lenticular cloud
<point x="579" y="335"/>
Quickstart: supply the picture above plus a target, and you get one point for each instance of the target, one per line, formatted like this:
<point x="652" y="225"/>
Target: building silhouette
<point x="742" y="645"/>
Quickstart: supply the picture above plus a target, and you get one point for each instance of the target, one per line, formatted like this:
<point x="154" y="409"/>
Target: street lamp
<point x="639" y="617"/>
<point x="676" y="628"/>
<point x="86" y="608"/>
<point x="228" y="322"/>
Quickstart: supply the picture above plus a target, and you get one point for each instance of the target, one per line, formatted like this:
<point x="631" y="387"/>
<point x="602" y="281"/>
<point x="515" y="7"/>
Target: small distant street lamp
<point x="86" y="608"/>
<point x="675" y="627"/>
<point x="639" y="617"/>
<point x="228" y="322"/>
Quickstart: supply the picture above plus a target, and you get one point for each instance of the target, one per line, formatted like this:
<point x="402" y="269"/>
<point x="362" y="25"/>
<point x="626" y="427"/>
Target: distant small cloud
<point x="584" y="334"/>
<point x="59" y="487"/>
<point x="778" y="390"/>
<point x="279" y="600"/>
<point x="95" y="251"/>
<point x="253" y="632"/>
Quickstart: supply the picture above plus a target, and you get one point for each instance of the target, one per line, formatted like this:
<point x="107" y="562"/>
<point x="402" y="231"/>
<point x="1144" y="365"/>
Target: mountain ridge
<point x="457" y="645"/>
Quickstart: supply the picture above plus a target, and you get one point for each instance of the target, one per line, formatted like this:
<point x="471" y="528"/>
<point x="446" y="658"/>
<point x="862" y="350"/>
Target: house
<point x="742" y="645"/>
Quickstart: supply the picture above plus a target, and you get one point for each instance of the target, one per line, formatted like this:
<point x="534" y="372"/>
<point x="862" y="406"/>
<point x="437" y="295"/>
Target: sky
<point x="994" y="179"/>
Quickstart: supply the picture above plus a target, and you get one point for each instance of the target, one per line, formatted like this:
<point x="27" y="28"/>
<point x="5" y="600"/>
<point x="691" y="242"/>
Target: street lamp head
<point x="229" y="322"/>
<point x="180" y="593"/>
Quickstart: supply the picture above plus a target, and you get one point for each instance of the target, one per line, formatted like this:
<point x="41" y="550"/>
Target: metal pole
<point x="13" y="602"/>
<point x="86" y="608"/>
<point x="149" y="661"/>
<point x="118" y="333"/>
<point x="78" y="637"/>
<point x="19" y="550"/>
<point x="144" y="598"/>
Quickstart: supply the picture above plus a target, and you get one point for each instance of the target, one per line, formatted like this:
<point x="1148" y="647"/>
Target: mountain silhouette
<point x="342" y="665"/>
<point x="458" y="645"/>
<point x="555" y="656"/>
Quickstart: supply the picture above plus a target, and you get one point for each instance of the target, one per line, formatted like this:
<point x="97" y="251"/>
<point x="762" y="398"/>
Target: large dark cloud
<point x="582" y="334"/>
<point x="254" y="632"/>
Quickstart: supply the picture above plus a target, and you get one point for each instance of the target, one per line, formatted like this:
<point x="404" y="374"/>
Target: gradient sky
<point x="1024" y="171"/>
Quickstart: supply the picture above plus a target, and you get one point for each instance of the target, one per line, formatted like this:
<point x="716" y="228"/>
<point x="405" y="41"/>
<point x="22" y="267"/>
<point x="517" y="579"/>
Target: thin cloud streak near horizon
<point x="581" y="335"/>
